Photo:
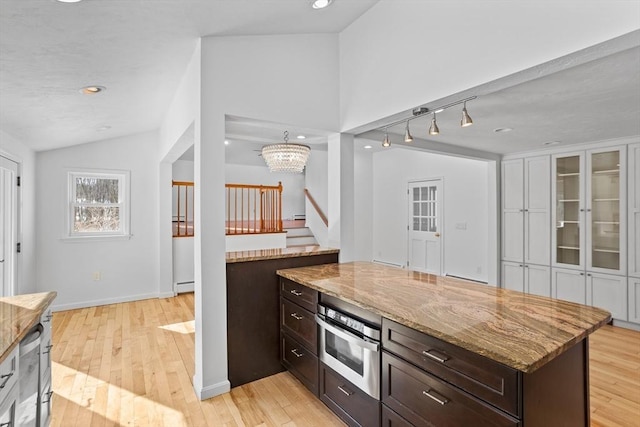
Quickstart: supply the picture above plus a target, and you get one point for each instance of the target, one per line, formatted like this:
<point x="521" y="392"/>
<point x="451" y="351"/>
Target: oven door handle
<point x="348" y="336"/>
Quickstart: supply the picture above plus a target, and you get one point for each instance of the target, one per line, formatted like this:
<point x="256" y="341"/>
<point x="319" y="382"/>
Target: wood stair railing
<point x="253" y="209"/>
<point x="315" y="205"/>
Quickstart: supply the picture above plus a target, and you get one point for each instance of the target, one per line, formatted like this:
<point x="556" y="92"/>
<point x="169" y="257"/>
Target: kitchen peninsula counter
<point x="518" y="330"/>
<point x="278" y="253"/>
<point x="18" y="314"/>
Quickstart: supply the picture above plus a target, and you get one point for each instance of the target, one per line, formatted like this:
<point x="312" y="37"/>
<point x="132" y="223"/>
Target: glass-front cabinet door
<point x="606" y="211"/>
<point x="569" y="210"/>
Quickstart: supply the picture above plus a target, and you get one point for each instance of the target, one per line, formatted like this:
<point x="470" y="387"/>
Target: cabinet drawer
<point x="300" y="362"/>
<point x="301" y="295"/>
<point x="299" y="323"/>
<point x="391" y="419"/>
<point x="9" y="373"/>
<point x="425" y="400"/>
<point x="45" y="358"/>
<point x="478" y="375"/>
<point x="352" y="405"/>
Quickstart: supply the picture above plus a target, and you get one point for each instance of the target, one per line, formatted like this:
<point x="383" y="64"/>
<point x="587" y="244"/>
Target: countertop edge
<point x="263" y="257"/>
<point x="512" y="363"/>
<point x="42" y="305"/>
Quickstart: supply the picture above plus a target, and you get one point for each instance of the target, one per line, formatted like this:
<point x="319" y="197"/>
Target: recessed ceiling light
<point x="551" y="143"/>
<point x="103" y="128"/>
<point x="301" y="137"/>
<point x="69" y="1"/>
<point x="367" y="147"/>
<point x="321" y="4"/>
<point x="92" y="90"/>
<point x="500" y="130"/>
<point x="226" y="142"/>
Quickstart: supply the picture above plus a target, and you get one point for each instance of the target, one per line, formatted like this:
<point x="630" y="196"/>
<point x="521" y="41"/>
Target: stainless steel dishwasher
<point x="27" y="405"/>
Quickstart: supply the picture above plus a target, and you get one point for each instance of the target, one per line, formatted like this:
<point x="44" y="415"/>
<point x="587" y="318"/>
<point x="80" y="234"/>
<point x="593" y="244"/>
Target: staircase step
<point x="301" y="241"/>
<point x="302" y="231"/>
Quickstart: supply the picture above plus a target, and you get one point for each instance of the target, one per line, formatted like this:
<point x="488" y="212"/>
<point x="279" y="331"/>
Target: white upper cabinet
<point x="634" y="210"/>
<point x="525" y="210"/>
<point x="589" y="215"/>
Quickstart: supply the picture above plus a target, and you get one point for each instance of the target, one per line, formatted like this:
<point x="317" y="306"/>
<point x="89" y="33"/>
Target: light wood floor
<point x="131" y="365"/>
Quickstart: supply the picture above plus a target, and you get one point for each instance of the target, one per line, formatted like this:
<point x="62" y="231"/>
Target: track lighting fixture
<point x="433" y="129"/>
<point x="386" y="142"/>
<point x="466" y="118"/>
<point x="407" y="134"/>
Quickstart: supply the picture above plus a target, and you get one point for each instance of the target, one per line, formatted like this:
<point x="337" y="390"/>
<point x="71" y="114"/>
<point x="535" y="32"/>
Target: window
<point x="98" y="203"/>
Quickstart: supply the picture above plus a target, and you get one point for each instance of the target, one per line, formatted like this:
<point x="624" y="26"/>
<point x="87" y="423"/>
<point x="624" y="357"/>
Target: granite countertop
<point x="262" y="254"/>
<point x="18" y="314"/>
<point x="519" y="330"/>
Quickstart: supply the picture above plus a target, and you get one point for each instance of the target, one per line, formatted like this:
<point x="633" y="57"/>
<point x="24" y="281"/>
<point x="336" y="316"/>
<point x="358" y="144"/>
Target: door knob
<point x="437" y="234"/>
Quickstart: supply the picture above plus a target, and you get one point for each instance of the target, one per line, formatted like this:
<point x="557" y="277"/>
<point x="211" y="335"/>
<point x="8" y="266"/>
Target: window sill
<point x="82" y="239"/>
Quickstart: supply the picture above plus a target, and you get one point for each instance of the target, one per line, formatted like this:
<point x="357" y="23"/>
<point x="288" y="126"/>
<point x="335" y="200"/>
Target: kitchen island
<point x="495" y="356"/>
<point x="253" y="306"/>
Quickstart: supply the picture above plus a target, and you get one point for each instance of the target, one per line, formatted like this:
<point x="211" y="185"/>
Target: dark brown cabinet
<point x="352" y="405"/>
<point x="253" y="315"/>
<point x="490" y="381"/>
<point x="423" y="399"/>
<point x="299" y="332"/>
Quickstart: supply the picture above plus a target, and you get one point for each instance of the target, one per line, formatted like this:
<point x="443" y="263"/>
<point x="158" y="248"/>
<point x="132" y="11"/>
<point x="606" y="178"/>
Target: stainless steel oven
<point x="350" y="347"/>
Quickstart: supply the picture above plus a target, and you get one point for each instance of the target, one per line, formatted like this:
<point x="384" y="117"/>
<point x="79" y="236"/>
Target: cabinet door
<point x="537" y="214"/>
<point x="538" y="280"/>
<point x="513" y="276"/>
<point x="634" y="211"/>
<point x="605" y="210"/>
<point x="569" y="285"/>
<point x="568" y="234"/>
<point x="634" y="299"/>
<point x="512" y="210"/>
<point x="608" y="292"/>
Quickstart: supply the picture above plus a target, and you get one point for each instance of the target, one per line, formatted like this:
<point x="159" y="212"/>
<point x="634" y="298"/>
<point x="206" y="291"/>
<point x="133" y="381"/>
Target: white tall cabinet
<point x="571" y="225"/>
<point x="526" y="186"/>
<point x="634" y="233"/>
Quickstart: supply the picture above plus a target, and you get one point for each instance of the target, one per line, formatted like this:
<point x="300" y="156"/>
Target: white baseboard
<point x="180" y="287"/>
<point x="169" y="294"/>
<point x="627" y="325"/>
<point x="107" y="301"/>
<point x="213" y="390"/>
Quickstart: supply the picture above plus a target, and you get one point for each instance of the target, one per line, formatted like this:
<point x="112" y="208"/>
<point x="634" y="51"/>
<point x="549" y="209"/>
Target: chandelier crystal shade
<point x="291" y="158"/>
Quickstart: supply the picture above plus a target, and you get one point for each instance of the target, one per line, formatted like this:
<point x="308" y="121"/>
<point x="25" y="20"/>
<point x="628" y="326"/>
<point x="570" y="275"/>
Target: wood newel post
<point x="279" y="205"/>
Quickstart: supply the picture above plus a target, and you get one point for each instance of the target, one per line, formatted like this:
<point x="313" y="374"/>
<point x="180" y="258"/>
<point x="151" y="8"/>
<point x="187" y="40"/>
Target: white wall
<point x="292" y="185"/>
<point x="465" y="201"/>
<point x="363" y="170"/>
<point x="15" y="150"/>
<point x="401" y="54"/>
<point x="282" y="79"/>
<point x="129" y="268"/>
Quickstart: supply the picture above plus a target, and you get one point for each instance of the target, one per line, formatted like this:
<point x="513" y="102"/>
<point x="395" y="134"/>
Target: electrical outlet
<point x="97" y="276"/>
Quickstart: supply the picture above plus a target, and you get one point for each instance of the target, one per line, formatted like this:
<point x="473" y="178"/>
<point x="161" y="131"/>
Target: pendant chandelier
<point x="287" y="157"/>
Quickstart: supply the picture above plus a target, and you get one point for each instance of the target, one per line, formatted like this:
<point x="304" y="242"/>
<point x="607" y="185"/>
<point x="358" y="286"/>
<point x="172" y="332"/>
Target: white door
<point x="425" y="226"/>
<point x="8" y="226"/>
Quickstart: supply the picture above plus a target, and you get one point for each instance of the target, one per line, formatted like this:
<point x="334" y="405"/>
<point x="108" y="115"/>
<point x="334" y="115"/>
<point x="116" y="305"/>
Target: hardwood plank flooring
<point x="131" y="364"/>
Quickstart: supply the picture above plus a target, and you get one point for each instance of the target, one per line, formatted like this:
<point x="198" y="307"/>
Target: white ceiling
<point x="138" y="49"/>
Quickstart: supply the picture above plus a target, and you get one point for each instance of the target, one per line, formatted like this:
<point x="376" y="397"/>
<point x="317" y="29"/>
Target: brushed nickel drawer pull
<point x="441" y="400"/>
<point x="296" y="293"/>
<point x="440" y="359"/>
<point x="7" y="424"/>
<point x="296" y="316"/>
<point x="295" y="351"/>
<point x="345" y="391"/>
<point x="49" y="395"/>
<point x="6" y="379"/>
<point x="48" y="347"/>
<point x="48" y="318"/>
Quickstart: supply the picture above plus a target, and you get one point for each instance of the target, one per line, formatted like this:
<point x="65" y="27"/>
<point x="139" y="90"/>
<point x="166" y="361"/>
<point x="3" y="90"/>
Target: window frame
<point x="124" y="204"/>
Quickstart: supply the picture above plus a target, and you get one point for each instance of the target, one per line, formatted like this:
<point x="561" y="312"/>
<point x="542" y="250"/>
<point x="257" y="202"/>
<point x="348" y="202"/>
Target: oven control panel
<point x="345" y="320"/>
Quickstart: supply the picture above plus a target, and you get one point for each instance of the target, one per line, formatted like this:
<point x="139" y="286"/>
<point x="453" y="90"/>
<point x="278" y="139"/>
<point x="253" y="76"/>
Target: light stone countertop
<point x="263" y="254"/>
<point x="18" y="314"/>
<point x="519" y="330"/>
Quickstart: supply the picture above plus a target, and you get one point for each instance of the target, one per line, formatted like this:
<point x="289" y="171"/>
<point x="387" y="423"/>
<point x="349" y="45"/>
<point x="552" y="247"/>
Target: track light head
<point x="386" y="142"/>
<point x="407" y="134"/>
<point x="466" y="118"/>
<point x="433" y="129"/>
